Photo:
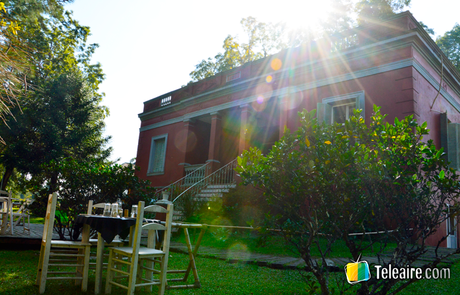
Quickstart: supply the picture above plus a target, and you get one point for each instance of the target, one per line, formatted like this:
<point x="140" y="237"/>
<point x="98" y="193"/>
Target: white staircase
<point x="216" y="190"/>
<point x="204" y="188"/>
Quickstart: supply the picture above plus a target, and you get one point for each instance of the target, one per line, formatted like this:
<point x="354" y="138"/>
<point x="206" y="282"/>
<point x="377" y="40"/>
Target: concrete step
<point x="213" y="190"/>
<point x="208" y="196"/>
<point x="222" y="186"/>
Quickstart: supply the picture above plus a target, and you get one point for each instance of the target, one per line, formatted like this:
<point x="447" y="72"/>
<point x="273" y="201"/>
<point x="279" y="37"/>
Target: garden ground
<point x="229" y="264"/>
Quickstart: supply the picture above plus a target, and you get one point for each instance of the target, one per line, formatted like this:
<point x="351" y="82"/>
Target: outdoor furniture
<point x="137" y="258"/>
<point x="116" y="241"/>
<point x="22" y="213"/>
<point x="108" y="228"/>
<point x="99" y="265"/>
<point x="6" y="211"/>
<point x="56" y="254"/>
<point x="192" y="251"/>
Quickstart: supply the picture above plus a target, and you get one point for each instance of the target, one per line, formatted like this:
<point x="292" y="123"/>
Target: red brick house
<point x="394" y="64"/>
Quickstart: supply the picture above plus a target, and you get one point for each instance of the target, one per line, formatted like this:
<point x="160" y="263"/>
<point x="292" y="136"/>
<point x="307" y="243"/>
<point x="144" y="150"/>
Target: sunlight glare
<point x="303" y="14"/>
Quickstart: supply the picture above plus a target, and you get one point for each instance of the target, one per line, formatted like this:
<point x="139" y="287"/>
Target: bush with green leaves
<point x="244" y="206"/>
<point x="79" y="182"/>
<point x="334" y="180"/>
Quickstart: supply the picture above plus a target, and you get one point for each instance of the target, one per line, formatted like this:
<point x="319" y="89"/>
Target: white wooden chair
<point x="56" y="256"/>
<point x="6" y="212"/>
<point x="136" y="264"/>
<point x="22" y="213"/>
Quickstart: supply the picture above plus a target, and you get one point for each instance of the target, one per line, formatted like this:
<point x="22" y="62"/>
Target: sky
<point x="149" y="47"/>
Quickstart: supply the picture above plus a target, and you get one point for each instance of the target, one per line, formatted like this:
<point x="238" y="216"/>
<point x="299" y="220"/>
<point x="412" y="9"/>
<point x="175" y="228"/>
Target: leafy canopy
<point x="337" y="182"/>
<point x="264" y="39"/>
<point x="450" y="45"/>
<point x="60" y="114"/>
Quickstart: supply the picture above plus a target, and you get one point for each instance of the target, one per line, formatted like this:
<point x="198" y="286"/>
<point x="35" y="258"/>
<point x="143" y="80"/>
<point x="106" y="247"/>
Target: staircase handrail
<point x="223" y="168"/>
<point x="181" y="180"/>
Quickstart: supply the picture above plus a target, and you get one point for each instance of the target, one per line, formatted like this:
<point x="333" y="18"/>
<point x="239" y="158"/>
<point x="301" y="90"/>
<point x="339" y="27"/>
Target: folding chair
<point x="22" y="214"/>
<point x="6" y="211"/>
<point x="136" y="264"/>
<point x="56" y="256"/>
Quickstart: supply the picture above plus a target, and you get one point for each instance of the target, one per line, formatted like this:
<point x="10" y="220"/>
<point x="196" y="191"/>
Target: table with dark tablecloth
<point x="108" y="227"/>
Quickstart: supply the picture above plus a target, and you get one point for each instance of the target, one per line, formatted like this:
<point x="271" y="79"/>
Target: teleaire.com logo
<point x="358" y="271"/>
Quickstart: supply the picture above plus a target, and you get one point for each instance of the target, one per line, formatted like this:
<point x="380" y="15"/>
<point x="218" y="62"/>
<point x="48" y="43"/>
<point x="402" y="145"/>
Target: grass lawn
<point x="249" y="241"/>
<point x="18" y="271"/>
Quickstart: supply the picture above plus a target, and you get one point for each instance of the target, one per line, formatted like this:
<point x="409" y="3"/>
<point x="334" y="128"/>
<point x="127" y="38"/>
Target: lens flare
<point x="269" y="79"/>
<point x="260" y="99"/>
<point x="259" y="104"/>
<point x="239" y="251"/>
<point x="185" y="142"/>
<point x="292" y="101"/>
<point x="276" y="64"/>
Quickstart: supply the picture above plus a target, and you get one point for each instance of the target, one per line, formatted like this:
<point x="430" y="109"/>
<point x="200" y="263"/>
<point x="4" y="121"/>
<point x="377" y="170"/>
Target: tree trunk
<point x="53" y="183"/>
<point x="6" y="177"/>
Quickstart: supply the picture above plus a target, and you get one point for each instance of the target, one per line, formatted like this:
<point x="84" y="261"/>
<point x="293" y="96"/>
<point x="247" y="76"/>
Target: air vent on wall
<point x="165" y="101"/>
<point x="233" y="76"/>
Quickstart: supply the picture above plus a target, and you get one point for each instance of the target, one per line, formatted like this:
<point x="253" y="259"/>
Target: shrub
<point x="79" y="182"/>
<point x="328" y="181"/>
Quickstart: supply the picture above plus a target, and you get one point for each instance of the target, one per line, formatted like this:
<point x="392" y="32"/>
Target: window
<point x="451" y="229"/>
<point x="157" y="155"/>
<point x="340" y="108"/>
<point x="450" y="137"/>
<point x="165" y="101"/>
<point x="233" y="76"/>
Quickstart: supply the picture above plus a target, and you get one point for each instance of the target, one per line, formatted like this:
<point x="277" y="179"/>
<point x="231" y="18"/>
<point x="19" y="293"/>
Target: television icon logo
<point x="357" y="271"/>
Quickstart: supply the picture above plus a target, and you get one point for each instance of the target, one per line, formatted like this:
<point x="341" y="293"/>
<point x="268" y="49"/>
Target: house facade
<point x="394" y="64"/>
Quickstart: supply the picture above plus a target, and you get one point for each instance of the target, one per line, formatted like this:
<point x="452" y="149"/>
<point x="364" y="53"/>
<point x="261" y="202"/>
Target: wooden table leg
<point x="99" y="263"/>
<point x="191" y="265"/>
<point x="192" y="254"/>
<point x="81" y="270"/>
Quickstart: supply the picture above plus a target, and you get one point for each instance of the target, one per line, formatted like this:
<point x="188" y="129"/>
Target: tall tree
<point x="375" y="10"/>
<point x="14" y="58"/>
<point x="450" y="45"/>
<point x="268" y="38"/>
<point x="339" y="18"/>
<point x="60" y="117"/>
<point x="263" y="39"/>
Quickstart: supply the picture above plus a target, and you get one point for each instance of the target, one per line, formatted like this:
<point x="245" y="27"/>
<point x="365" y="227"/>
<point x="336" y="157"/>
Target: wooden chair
<point x="6" y="211"/>
<point x="136" y="263"/>
<point x="56" y="256"/>
<point x="22" y="214"/>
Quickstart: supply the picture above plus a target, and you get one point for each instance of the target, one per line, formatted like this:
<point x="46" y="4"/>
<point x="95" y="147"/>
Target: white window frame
<point x="347" y="112"/>
<point x="153" y="154"/>
<point x="165" y="101"/>
<point x="451" y="229"/>
<point x="334" y="101"/>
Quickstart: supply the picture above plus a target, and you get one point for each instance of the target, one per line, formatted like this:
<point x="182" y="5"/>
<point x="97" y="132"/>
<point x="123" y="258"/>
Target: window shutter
<point x="159" y="157"/>
<point x="323" y="113"/>
<point x="443" y="134"/>
<point x="453" y="153"/>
